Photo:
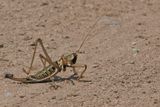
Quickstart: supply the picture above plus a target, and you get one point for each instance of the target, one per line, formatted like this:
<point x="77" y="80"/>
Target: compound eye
<point x="53" y="68"/>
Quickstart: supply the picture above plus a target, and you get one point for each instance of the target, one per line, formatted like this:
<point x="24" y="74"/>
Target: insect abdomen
<point x="43" y="74"/>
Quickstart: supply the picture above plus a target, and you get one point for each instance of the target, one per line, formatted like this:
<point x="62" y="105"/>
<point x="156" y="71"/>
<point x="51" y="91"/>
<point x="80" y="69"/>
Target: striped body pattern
<point x="44" y="74"/>
<point x="49" y="71"/>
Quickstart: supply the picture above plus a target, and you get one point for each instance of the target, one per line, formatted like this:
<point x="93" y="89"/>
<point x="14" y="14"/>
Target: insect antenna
<point x="88" y="34"/>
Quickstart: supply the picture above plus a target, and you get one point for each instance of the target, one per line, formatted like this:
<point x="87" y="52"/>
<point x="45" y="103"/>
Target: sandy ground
<point x="122" y="51"/>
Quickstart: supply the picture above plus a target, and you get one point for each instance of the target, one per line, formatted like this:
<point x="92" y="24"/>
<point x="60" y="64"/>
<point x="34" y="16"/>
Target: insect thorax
<point x="70" y="58"/>
<point x="67" y="60"/>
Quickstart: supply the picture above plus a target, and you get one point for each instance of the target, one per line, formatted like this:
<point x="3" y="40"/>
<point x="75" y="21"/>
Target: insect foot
<point x="55" y="87"/>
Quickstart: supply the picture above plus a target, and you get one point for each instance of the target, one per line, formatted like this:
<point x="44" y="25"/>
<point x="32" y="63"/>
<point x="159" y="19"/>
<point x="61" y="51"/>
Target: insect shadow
<point x="71" y="78"/>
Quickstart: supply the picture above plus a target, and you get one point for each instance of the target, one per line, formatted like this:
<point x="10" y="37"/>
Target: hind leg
<point x="42" y="60"/>
<point x="48" y="59"/>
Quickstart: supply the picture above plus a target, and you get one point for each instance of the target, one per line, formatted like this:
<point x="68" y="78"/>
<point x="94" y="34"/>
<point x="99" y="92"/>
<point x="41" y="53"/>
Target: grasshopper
<point x="50" y="71"/>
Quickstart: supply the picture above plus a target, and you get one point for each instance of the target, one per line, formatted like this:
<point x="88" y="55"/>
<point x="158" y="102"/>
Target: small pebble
<point x="133" y="43"/>
<point x="66" y="37"/>
<point x="132" y="62"/>
<point x="33" y="44"/>
<point x="27" y="38"/>
<point x="54" y="97"/>
<point x="22" y="96"/>
<point x="135" y="50"/>
<point x="1" y="45"/>
<point x="44" y="4"/>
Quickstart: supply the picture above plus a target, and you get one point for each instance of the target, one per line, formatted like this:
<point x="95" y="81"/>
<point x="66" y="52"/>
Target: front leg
<point x="79" y="66"/>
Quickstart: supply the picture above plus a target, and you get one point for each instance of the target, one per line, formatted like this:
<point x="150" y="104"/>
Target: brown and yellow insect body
<point x="66" y="60"/>
<point x="46" y="73"/>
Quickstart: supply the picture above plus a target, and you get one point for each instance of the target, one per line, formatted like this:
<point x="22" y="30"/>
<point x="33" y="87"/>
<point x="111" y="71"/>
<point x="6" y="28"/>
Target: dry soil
<point x="122" y="51"/>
